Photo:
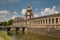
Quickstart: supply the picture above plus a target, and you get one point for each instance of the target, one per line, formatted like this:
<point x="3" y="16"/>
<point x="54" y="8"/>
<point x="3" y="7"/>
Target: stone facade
<point x="45" y="21"/>
<point x="18" y="22"/>
<point x="49" y="21"/>
<point x="49" y="24"/>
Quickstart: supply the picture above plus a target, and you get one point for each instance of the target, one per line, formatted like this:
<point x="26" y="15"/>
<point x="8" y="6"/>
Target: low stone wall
<point x="44" y="31"/>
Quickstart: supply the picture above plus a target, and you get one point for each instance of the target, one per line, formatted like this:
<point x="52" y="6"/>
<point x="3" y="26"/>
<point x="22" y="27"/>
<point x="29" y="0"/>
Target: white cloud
<point x="23" y="11"/>
<point x="3" y="15"/>
<point x="36" y="15"/>
<point x="49" y="11"/>
<point x="15" y="12"/>
<point x="36" y="9"/>
<point x="6" y="15"/>
<point x="13" y="17"/>
<point x="9" y="1"/>
<point x="4" y="12"/>
<point x="46" y="11"/>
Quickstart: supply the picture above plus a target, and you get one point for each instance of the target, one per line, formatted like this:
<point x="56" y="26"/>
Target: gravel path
<point x="1" y="38"/>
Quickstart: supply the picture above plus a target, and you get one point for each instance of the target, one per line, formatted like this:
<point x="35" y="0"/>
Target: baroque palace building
<point x="49" y="21"/>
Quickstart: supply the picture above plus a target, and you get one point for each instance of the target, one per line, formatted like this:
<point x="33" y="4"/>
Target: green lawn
<point x="4" y="36"/>
<point x="32" y="36"/>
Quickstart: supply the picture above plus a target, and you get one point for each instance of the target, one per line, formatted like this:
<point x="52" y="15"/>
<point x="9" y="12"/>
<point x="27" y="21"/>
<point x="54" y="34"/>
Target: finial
<point x="28" y="5"/>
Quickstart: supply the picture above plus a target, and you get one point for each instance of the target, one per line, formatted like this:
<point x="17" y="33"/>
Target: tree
<point x="10" y="22"/>
<point x="4" y="23"/>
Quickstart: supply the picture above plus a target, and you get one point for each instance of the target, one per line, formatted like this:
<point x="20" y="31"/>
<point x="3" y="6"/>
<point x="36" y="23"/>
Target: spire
<point x="28" y="5"/>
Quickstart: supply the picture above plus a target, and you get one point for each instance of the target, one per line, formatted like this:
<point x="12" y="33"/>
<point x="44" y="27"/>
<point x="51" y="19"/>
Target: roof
<point x="17" y="19"/>
<point x="47" y="16"/>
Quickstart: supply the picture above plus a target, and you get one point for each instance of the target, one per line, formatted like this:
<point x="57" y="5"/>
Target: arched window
<point x="56" y="20"/>
<point x="43" y="21"/>
<point x="49" y="21"/>
<point x="46" y="21"/>
<point x="52" y="20"/>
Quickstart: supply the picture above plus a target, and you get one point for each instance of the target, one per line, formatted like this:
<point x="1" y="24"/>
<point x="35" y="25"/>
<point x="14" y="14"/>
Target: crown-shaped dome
<point x="28" y="5"/>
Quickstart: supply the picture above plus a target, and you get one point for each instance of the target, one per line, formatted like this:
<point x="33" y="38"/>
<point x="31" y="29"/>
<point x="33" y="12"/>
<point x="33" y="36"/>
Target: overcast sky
<point x="9" y="9"/>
